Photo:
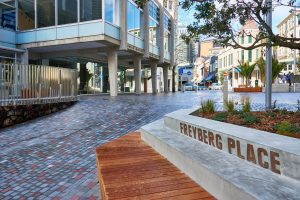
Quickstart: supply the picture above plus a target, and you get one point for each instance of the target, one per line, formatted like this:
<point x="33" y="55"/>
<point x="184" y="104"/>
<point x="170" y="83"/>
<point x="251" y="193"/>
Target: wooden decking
<point x="130" y="169"/>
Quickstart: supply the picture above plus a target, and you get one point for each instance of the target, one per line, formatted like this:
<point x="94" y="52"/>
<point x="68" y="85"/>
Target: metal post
<point x="268" y="92"/>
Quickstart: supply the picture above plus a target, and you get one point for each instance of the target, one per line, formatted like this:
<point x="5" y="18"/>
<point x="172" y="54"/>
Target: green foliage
<point x="283" y="111"/>
<point x="249" y="118"/>
<point x="221" y="77"/>
<point x="276" y="68"/>
<point x="246" y="106"/>
<point x="261" y="63"/>
<point x="270" y="114"/>
<point x="246" y="71"/>
<point x="207" y="107"/>
<point x="222" y="117"/>
<point x="287" y="128"/>
<point x="229" y="106"/>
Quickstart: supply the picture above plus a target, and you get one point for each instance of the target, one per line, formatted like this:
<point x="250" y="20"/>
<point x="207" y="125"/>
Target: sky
<point x="279" y="13"/>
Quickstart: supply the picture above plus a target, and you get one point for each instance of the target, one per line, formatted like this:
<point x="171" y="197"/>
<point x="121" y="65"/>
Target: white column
<point x="25" y="57"/>
<point x="154" y="77"/>
<point x="123" y="24"/>
<point x="166" y="76"/>
<point x="233" y="78"/>
<point x="161" y="35"/>
<point x="112" y="71"/>
<point x="137" y="62"/>
<point x="146" y="29"/>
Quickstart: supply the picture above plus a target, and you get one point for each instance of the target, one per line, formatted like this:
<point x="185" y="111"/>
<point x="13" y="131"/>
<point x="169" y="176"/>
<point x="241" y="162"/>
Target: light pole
<point x="295" y="35"/>
<point x="268" y="92"/>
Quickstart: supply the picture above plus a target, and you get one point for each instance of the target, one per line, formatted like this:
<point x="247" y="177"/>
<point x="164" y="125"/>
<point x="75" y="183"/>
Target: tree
<point x="218" y="19"/>
<point x="246" y="71"/>
<point x="276" y="68"/>
<point x="261" y="63"/>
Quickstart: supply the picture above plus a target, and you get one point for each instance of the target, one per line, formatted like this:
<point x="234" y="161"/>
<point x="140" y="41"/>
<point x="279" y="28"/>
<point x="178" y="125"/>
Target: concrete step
<point x="223" y="175"/>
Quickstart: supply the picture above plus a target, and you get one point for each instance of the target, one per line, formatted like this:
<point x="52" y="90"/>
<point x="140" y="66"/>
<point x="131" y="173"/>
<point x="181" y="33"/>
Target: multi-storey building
<point x="229" y="59"/>
<point x="98" y="37"/>
<point x="286" y="28"/>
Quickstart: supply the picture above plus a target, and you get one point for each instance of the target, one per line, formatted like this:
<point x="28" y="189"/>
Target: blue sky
<point x="279" y="13"/>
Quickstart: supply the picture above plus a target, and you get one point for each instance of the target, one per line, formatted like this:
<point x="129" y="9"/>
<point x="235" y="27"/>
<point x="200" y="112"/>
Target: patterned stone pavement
<point x="53" y="157"/>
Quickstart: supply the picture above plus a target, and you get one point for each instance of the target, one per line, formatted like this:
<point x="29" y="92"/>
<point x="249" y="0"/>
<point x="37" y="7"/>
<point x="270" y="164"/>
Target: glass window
<point x="90" y="10"/>
<point x="67" y="11"/>
<point x="153" y="32"/>
<point x="243" y="56"/>
<point x="250" y="39"/>
<point x="109" y="10"/>
<point x="298" y="17"/>
<point x="243" y="39"/>
<point x="8" y="15"/>
<point x="45" y="13"/>
<point x="26" y="15"/>
<point x="250" y="55"/>
<point x="133" y="19"/>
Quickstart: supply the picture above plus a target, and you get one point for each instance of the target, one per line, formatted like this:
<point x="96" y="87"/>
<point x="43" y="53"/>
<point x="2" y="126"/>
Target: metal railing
<point x="36" y="84"/>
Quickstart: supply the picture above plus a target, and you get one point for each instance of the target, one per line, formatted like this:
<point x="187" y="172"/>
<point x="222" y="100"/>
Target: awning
<point x="236" y="69"/>
<point x="209" y="76"/>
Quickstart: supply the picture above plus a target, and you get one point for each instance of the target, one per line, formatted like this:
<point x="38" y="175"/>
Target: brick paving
<point x="53" y="157"/>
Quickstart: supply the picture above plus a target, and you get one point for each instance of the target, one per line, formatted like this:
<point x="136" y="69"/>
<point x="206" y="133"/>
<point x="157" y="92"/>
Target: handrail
<point x="30" y="84"/>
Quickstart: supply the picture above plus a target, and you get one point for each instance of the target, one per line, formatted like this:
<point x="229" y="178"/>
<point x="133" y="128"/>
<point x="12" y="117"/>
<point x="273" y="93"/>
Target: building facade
<point x="101" y="38"/>
<point x="286" y="28"/>
<point x="229" y="59"/>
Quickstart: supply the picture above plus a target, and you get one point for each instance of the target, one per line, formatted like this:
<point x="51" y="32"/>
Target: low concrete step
<point x="221" y="174"/>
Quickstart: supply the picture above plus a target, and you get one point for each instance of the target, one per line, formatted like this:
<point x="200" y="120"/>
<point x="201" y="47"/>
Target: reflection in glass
<point x="67" y="11"/>
<point x="153" y="32"/>
<point x="8" y="15"/>
<point x="90" y="10"/>
<point x="109" y="10"/>
<point x="26" y="15"/>
<point x="133" y="20"/>
<point x="45" y="13"/>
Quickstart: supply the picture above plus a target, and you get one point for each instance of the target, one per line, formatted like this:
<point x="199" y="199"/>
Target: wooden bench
<point x="130" y="169"/>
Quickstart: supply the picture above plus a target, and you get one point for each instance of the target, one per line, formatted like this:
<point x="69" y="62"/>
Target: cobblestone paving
<point x="53" y="157"/>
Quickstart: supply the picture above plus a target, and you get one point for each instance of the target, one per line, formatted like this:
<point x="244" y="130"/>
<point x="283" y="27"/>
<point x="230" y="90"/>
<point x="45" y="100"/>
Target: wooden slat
<point x="130" y="169"/>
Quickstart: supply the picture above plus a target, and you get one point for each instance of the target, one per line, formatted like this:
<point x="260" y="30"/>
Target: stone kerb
<point x="279" y="154"/>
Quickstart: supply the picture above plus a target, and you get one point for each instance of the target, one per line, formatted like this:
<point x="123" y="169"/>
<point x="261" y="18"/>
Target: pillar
<point x="154" y="77"/>
<point x="233" y="78"/>
<point x="123" y="25"/>
<point x="104" y="79"/>
<point x="166" y="76"/>
<point x="145" y="30"/>
<point x="112" y="57"/>
<point x="25" y="57"/>
<point x="137" y="62"/>
<point x="161" y="35"/>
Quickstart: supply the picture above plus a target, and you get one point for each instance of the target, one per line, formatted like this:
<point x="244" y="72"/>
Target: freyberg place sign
<point x="261" y="156"/>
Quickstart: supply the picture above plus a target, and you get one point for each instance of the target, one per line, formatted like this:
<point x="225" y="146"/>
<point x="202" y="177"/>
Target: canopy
<point x="209" y="76"/>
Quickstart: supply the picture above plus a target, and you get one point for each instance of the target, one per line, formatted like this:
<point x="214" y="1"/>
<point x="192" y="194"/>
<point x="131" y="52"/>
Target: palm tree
<point x="246" y="71"/>
<point x="261" y="63"/>
<point x="276" y="68"/>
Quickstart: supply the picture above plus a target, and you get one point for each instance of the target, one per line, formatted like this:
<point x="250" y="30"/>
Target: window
<point x="133" y="19"/>
<point x="167" y="36"/>
<point x="153" y="32"/>
<point x="26" y="15"/>
<point x="243" y="39"/>
<point x="45" y="13"/>
<point x="298" y="17"/>
<point x="243" y="56"/>
<point x="67" y="11"/>
<point x="256" y="54"/>
<point x="8" y="14"/>
<point x="290" y="67"/>
<point x="250" y="55"/>
<point x="154" y="11"/>
<point x="90" y="10"/>
<point x="249" y="39"/>
<point x="109" y="10"/>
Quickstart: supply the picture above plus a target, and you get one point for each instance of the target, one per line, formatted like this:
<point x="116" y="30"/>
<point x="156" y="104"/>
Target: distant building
<point x="286" y="29"/>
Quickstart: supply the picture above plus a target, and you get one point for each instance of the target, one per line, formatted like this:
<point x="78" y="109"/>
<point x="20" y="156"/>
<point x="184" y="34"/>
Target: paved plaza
<point x="53" y="157"/>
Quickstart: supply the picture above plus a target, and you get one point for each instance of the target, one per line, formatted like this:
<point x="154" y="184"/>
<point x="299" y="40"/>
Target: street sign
<point x="189" y="73"/>
<point x="180" y="71"/>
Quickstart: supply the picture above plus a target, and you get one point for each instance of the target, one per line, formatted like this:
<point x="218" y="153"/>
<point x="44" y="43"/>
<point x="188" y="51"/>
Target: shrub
<point x="222" y="117"/>
<point x="274" y="106"/>
<point x="246" y="106"/>
<point x="270" y="114"/>
<point x="229" y="106"/>
<point x="283" y="111"/>
<point x="207" y="107"/>
<point x="286" y="128"/>
<point x="249" y="118"/>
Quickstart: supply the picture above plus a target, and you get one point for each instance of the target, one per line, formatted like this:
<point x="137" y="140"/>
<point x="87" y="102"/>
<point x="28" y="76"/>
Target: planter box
<point x="229" y="161"/>
<point x="249" y="89"/>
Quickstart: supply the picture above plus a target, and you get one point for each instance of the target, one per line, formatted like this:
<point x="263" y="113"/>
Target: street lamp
<point x="268" y="92"/>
